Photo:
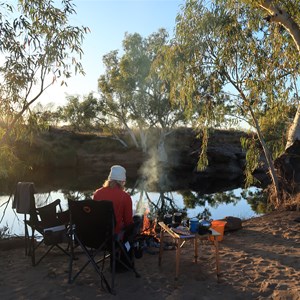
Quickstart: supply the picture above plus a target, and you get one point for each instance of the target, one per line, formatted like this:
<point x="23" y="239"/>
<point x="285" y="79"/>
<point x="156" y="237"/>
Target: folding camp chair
<point x="51" y="223"/>
<point x="24" y="203"/>
<point x="92" y="226"/>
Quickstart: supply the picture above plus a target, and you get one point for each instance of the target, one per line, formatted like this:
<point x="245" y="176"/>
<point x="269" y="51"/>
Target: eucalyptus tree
<point x="227" y="59"/>
<point x="131" y="93"/>
<point x="285" y="14"/>
<point x="38" y="47"/>
<point x="81" y="114"/>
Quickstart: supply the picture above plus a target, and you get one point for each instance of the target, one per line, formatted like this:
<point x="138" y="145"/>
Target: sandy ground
<point x="260" y="261"/>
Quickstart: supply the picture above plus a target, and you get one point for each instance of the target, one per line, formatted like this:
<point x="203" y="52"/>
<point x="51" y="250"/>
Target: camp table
<point x="180" y="239"/>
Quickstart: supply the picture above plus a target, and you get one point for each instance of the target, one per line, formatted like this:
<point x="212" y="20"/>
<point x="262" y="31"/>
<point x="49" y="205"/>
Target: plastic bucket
<point x="219" y="227"/>
<point x="194" y="223"/>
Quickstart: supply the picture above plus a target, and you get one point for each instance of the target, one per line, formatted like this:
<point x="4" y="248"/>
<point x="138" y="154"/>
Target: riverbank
<point x="260" y="261"/>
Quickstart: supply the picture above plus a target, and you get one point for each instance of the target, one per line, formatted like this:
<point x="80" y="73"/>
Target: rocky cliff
<point x="91" y="154"/>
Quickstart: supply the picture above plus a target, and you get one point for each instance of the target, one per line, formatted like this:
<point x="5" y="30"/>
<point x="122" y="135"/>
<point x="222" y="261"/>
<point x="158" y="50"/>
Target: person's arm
<point x="127" y="213"/>
<point x="129" y="233"/>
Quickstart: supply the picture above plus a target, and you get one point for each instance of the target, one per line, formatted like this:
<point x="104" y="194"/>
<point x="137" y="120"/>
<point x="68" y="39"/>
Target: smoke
<point x="150" y="171"/>
<point x="142" y="204"/>
<point x="154" y="171"/>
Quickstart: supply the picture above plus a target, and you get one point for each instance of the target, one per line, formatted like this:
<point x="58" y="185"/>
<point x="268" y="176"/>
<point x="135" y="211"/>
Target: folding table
<point x="180" y="240"/>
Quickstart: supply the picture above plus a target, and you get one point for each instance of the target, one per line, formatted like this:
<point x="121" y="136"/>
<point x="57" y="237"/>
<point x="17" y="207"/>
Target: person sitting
<point x="126" y="225"/>
<point x="113" y="189"/>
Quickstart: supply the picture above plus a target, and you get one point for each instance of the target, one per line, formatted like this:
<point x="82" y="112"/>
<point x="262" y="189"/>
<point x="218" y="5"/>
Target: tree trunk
<point x="131" y="134"/>
<point x="294" y="131"/>
<point x="143" y="137"/>
<point x="161" y="151"/>
<point x="271" y="167"/>
<point x="281" y="16"/>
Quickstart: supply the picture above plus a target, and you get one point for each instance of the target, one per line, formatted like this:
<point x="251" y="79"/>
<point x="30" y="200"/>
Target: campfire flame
<point x="148" y="227"/>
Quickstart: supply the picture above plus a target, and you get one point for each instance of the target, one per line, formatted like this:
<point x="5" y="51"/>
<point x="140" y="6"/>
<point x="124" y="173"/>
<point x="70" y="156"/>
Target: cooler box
<point x="218" y="226"/>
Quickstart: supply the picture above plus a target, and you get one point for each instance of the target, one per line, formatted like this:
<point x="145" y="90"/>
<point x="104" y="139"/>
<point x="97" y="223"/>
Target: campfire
<point x="148" y="236"/>
<point x="149" y="225"/>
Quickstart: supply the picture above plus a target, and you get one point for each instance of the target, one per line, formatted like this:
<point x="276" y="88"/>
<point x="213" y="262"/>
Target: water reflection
<point x="70" y="184"/>
<point x="191" y="204"/>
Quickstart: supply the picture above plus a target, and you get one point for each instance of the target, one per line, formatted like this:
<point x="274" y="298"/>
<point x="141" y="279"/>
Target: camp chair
<point x="24" y="203"/>
<point x="51" y="223"/>
<point x="92" y="226"/>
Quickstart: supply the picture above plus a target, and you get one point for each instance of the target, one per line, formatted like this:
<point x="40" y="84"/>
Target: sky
<point x="108" y="21"/>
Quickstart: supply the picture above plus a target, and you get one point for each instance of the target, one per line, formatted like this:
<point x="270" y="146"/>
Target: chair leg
<point x="62" y="249"/>
<point x="27" y="239"/>
<point x="130" y="266"/>
<point x="71" y="260"/>
<point x="91" y="260"/>
<point x="32" y="248"/>
<point x="44" y="255"/>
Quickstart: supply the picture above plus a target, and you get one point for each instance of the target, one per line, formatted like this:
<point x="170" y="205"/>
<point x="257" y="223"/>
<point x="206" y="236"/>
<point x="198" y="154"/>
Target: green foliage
<point x="252" y="159"/>
<point x="274" y="126"/>
<point x="44" y="116"/>
<point x="257" y="199"/>
<point x="227" y="63"/>
<point x="40" y="47"/>
<point x="203" y="160"/>
<point x="131" y="93"/>
<point x="192" y="199"/>
<point x="77" y="196"/>
<point x="222" y="198"/>
<point x="10" y="164"/>
<point x="81" y="115"/>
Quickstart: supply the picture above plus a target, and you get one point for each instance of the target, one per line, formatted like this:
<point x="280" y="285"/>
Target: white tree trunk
<point x="294" y="130"/>
<point x="279" y="15"/>
<point x="161" y="150"/>
<point x="143" y="137"/>
<point x="123" y="143"/>
<point x="131" y="133"/>
<point x="268" y="157"/>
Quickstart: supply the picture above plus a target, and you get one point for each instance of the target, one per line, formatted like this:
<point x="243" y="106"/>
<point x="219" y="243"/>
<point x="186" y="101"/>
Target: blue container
<point x="194" y="223"/>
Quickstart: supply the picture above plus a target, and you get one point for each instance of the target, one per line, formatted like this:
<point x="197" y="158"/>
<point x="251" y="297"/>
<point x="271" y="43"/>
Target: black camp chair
<point x="92" y="225"/>
<point x="24" y="203"/>
<point x="51" y="223"/>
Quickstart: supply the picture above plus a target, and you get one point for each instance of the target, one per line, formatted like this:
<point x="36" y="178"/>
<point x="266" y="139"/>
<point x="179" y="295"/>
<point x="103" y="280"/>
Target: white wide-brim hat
<point x="117" y="173"/>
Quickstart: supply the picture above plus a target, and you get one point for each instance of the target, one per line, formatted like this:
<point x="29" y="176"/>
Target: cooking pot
<point x="205" y="223"/>
<point x="204" y="226"/>
<point x="167" y="219"/>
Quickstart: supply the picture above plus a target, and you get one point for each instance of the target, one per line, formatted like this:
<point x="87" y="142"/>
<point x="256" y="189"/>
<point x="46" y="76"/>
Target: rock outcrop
<point x="226" y="162"/>
<point x="88" y="155"/>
